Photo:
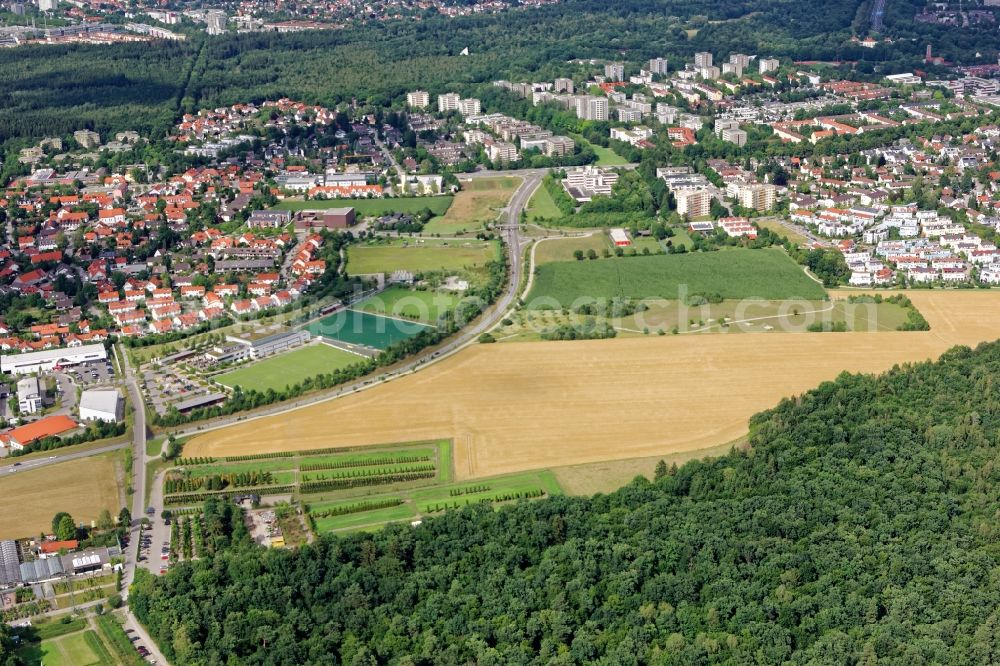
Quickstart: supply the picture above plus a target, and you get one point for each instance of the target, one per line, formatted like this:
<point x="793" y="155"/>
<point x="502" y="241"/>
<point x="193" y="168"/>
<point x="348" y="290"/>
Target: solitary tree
<point x="67" y="528"/>
<point x="661" y="470"/>
<point x="57" y="520"/>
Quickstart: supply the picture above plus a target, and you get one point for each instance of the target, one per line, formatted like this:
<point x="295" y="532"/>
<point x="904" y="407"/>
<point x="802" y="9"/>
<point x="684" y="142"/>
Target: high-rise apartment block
<point x="693" y="203"/>
<point x="418" y="99"/>
<point x="658" y="66"/>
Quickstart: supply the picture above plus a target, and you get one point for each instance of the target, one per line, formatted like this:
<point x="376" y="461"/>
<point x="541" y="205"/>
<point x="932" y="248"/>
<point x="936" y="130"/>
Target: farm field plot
<point x="373" y="510"/>
<point x="478" y="203"/>
<point x="362" y="328"/>
<point x="562" y="249"/>
<point x="738" y="273"/>
<point x="419" y="255"/>
<point x="83" y="487"/>
<point x="438" y="205"/>
<point x="289" y="368"/>
<point x="344" y="473"/>
<point x="421" y="305"/>
<point x="683" y="393"/>
<point x="744" y="316"/>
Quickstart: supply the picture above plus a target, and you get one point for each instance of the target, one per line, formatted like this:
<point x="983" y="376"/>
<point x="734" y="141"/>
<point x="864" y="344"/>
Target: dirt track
<point x="524" y="406"/>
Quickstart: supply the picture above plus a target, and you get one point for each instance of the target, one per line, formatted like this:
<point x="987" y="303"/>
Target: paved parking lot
<point x="165" y="386"/>
<point x="91" y="374"/>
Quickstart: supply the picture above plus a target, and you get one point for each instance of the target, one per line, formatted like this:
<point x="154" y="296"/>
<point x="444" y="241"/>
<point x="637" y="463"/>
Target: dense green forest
<point x="55" y="89"/>
<point x="859" y="528"/>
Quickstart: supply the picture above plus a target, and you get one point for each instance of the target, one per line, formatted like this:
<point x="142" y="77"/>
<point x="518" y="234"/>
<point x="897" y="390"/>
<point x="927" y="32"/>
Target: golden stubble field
<point x="83" y="488"/>
<point x="531" y="405"/>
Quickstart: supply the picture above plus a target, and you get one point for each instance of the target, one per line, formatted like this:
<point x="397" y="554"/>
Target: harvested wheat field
<point x="531" y="405"/>
<point x="82" y="487"/>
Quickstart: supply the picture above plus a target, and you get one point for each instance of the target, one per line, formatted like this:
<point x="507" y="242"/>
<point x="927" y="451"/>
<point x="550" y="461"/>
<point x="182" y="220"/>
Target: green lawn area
<point x="541" y="205"/>
<point x="737" y="273"/>
<point x="289" y="368"/>
<point x="681" y="237"/>
<point x="438" y="205"/>
<point x="419" y="255"/>
<point x="70" y="650"/>
<point x="782" y="230"/>
<point x="605" y="156"/>
<point x="421" y="305"/>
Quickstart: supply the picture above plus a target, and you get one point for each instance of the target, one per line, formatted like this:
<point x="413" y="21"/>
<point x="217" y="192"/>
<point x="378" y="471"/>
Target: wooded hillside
<point x="861" y="528"/>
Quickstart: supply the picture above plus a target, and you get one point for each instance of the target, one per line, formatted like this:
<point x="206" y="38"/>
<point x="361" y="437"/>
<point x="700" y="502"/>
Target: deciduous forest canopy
<point x="859" y="528"/>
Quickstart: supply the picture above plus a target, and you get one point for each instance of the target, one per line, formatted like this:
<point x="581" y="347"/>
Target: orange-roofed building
<point x="52" y="547"/>
<point x="23" y="436"/>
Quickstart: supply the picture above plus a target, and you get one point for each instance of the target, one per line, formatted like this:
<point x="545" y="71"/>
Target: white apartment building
<point x="470" y="107"/>
<point x="563" y="86"/>
<point x="758" y="197"/>
<point x="658" y="66"/>
<point x="766" y="65"/>
<point x="448" y="102"/>
<point x="501" y="151"/>
<point x="557" y="146"/>
<point x="628" y="115"/>
<point x="614" y="71"/>
<point x="735" y="135"/>
<point x="702" y="60"/>
<point x="418" y="99"/>
<point x="590" y="107"/>
<point x="666" y="114"/>
<point x="693" y="203"/>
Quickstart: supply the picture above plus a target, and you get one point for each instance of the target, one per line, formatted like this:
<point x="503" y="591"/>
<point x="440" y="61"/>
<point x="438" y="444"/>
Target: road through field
<point x="531" y="405"/>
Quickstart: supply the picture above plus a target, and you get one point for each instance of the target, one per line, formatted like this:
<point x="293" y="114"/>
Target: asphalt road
<point x="15" y="466"/>
<point x="138" y="500"/>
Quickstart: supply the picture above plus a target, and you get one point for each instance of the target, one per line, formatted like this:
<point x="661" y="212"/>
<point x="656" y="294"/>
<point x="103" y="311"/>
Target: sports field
<point x="478" y="203"/>
<point x="374" y="207"/>
<point x="277" y="372"/>
<point x="80" y="649"/>
<point x="81" y="487"/>
<point x="738" y="273"/>
<point x="419" y="255"/>
<point x="362" y="328"/>
<point x="421" y="305"/>
<point x="527" y="406"/>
